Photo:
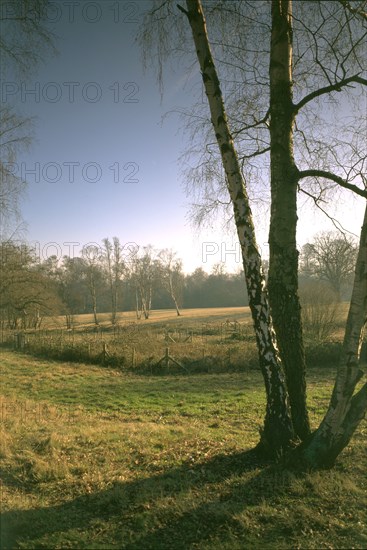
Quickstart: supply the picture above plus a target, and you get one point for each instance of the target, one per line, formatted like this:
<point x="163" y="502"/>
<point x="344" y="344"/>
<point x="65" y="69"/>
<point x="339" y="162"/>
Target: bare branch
<point x="256" y="153"/>
<point x="334" y="221"/>
<point x="337" y="87"/>
<point x="255" y="124"/>
<point x="333" y="177"/>
<point x="355" y="11"/>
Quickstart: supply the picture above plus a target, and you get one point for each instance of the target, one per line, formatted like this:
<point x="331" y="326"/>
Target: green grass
<point x="98" y="458"/>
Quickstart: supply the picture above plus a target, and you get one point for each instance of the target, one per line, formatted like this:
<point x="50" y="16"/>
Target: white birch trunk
<point x="346" y="408"/>
<point x="278" y="430"/>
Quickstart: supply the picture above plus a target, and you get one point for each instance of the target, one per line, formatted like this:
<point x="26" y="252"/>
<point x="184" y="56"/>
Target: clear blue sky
<point x="105" y="165"/>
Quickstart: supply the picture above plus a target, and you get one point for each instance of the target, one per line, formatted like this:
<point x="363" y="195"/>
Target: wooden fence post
<point x="167" y="358"/>
<point x="105" y="353"/>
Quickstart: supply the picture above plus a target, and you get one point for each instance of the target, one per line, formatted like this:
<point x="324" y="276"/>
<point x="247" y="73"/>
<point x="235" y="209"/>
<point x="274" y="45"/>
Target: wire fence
<point x="208" y="347"/>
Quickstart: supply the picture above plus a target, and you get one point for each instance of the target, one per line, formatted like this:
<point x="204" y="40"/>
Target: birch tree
<point x="329" y="54"/>
<point x="143" y="276"/>
<point x="347" y="406"/>
<point x="346" y="409"/>
<point x="91" y="256"/>
<point x="171" y="276"/>
<point x="278" y="430"/>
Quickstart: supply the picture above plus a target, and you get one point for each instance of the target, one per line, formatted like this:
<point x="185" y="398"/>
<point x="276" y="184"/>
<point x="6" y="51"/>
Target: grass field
<point x="96" y="458"/>
<point x="102" y="458"/>
<point x="215" y="314"/>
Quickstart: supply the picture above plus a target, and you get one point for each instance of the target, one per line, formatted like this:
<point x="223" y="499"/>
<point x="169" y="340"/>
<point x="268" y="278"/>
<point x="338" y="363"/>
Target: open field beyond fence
<point x="201" y="340"/>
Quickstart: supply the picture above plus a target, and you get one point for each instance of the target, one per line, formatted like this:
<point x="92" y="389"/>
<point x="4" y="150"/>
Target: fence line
<point x="130" y="346"/>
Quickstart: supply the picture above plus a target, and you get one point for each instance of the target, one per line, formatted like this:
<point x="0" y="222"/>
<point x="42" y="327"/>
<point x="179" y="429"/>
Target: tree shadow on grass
<point x="168" y="510"/>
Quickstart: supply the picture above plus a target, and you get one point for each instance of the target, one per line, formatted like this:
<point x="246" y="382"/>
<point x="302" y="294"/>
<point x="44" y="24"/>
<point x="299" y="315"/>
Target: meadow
<point x="106" y="457"/>
<point x="200" y="340"/>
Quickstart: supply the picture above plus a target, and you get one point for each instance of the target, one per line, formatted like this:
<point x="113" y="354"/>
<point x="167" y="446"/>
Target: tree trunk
<point x="69" y="320"/>
<point x="346" y="408"/>
<point x="172" y="293"/>
<point x="278" y="431"/>
<point x="94" y="305"/>
<point x="176" y="306"/>
<point x="114" y="303"/>
<point x="138" y="308"/>
<point x="283" y="261"/>
<point x="145" y="303"/>
<point x="93" y="294"/>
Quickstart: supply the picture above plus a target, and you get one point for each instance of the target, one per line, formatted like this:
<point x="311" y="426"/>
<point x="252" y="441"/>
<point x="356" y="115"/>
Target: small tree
<point x="93" y="274"/>
<point x="171" y="276"/>
<point x="72" y="288"/>
<point x="144" y="274"/>
<point x="26" y="292"/>
<point x="114" y="268"/>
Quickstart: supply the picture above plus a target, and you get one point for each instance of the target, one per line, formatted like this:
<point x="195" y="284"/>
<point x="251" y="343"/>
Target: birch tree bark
<point x="346" y="408"/>
<point x="283" y="260"/>
<point x="278" y="432"/>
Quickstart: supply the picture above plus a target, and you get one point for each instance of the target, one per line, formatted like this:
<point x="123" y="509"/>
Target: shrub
<point x="320" y="311"/>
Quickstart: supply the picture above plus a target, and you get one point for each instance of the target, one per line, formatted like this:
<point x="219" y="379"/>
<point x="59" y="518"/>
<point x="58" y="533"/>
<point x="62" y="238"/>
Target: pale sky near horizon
<point x="103" y="164"/>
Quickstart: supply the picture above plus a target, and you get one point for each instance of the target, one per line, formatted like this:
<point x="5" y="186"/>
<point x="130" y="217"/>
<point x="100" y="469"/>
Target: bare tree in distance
<point x="330" y="257"/>
<point x="114" y="268"/>
<point x="144" y="273"/>
<point x="92" y="260"/>
<point x="71" y="283"/>
<point x="320" y="311"/>
<point x="171" y="276"/>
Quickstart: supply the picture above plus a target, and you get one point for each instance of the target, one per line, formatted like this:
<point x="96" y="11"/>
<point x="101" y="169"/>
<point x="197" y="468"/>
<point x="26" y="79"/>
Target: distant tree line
<point x="113" y="278"/>
<point x="107" y="278"/>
